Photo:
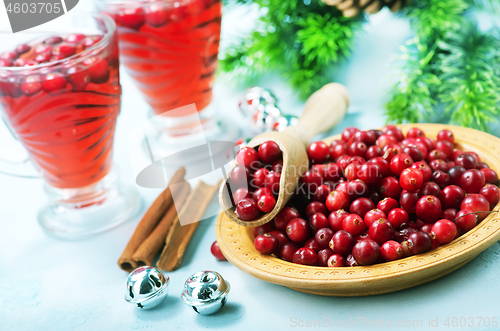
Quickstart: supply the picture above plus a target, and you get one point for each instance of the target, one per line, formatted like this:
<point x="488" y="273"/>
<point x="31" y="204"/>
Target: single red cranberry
<point x="266" y="203"/>
<point x="478" y="159"/>
<point x="260" y="192"/>
<point x="240" y="194"/>
<point x="422" y="148"/>
<point x="357" y="148"/>
<point x="411" y="179"/>
<point x="402" y="235"/>
<point x="78" y="77"/>
<point x="446" y="147"/>
<point x="424" y="168"/>
<point x="490" y="176"/>
<point x="344" y="187"/>
<point x="336" y="260"/>
<point x="5" y="63"/>
<point x="481" y="165"/>
<point x="269" y="152"/>
<point x="390" y="188"/>
<point x="439" y="164"/>
<point x="472" y="181"/>
<point x="382" y="164"/>
<point x="349" y="133"/>
<point x="391" y="251"/>
<point x="266" y="243"/>
<point x="239" y="177"/>
<point x="428" y="209"/>
<point x="259" y="177"/>
<point x="415" y="133"/>
<point x="277" y="166"/>
<point x="247" y="209"/>
<point x="75" y="38"/>
<point x="318" y="152"/>
<point x="452" y="196"/>
<point x="298" y="230"/>
<point x="337" y="149"/>
<point x="21" y="49"/>
<point x="441" y="178"/>
<point x="366" y="252"/>
<point x="387" y="204"/>
<point x="351" y="172"/>
<point x="305" y="256"/>
<point x="455" y="174"/>
<point x="399" y="218"/>
<point x="476" y="203"/>
<point x="97" y="68"/>
<point x="315" y="207"/>
<point x="8" y="56"/>
<point x="465" y="220"/>
<point x="396" y="132"/>
<point x="491" y="193"/>
<point x="370" y="173"/>
<point x="312" y="244"/>
<point x="280" y="235"/>
<point x="419" y="242"/>
<point x="399" y="163"/>
<point x="336" y="218"/>
<point x="31" y="85"/>
<point x="323" y="256"/>
<point x="385" y="140"/>
<point x="132" y="18"/>
<point x="413" y="152"/>
<point x="331" y="172"/>
<point x="372" y="215"/>
<point x="246" y="156"/>
<point x="406" y="250"/>
<point x="449" y="214"/>
<point x="446" y="135"/>
<point x="444" y="231"/>
<point x="427" y="228"/>
<point x="272" y="182"/>
<point x="318" y="221"/>
<point x="91" y="41"/>
<point x="381" y="231"/>
<point x="284" y="216"/>
<point x="53" y="83"/>
<point x="430" y="188"/>
<point x="353" y="224"/>
<point x="342" y="161"/>
<point x="323" y="237"/>
<point x="342" y="242"/>
<point x="466" y="161"/>
<point x="393" y="148"/>
<point x="64" y="50"/>
<point x="361" y="206"/>
<point x="436" y="154"/>
<point x="408" y="201"/>
<point x="373" y="152"/>
<point x="322" y="193"/>
<point x="337" y="200"/>
<point x="216" y="252"/>
<point x="44" y="57"/>
<point x="288" y="250"/>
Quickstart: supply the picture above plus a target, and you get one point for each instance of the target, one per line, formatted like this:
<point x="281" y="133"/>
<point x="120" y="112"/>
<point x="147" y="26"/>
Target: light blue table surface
<point x="48" y="284"/>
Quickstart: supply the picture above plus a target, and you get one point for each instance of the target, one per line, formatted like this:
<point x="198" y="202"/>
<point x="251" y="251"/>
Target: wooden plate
<point x="236" y="243"/>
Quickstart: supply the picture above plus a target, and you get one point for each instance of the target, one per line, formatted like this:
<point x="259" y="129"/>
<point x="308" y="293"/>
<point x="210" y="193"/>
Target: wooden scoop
<point x="323" y="110"/>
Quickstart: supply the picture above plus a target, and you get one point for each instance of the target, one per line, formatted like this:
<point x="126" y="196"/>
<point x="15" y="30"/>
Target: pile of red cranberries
<point x="255" y="181"/>
<point x="372" y="196"/>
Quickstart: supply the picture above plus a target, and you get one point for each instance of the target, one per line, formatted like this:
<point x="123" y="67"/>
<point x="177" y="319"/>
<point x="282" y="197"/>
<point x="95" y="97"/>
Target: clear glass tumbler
<point x="60" y="95"/>
<point x="170" y="48"/>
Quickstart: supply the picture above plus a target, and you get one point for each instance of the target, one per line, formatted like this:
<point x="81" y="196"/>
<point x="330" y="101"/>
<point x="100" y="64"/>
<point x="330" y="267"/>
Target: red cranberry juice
<point x="171" y="52"/>
<point x="65" y="113"/>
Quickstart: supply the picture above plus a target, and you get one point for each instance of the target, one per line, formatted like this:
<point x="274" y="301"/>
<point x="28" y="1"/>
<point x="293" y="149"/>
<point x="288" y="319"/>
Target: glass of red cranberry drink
<point x="169" y="48"/>
<point x="60" y="95"/>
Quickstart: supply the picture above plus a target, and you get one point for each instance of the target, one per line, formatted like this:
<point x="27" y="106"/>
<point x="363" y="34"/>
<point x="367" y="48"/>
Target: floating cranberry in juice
<point x="170" y="49"/>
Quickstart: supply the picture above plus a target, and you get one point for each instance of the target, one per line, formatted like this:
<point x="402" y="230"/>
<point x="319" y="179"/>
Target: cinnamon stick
<point x="147" y="251"/>
<point x="180" y="235"/>
<point x="149" y="221"/>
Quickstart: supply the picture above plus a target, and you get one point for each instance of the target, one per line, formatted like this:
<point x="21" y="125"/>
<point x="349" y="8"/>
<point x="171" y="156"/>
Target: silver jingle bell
<point x="206" y="292"/>
<point x="147" y="287"/>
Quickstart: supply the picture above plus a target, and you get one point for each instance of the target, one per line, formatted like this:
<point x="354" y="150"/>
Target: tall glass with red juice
<point x="60" y="94"/>
<point x="170" y="49"/>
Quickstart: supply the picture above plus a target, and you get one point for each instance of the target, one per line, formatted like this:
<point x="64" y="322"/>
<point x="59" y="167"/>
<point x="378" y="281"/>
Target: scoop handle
<point x="323" y="110"/>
